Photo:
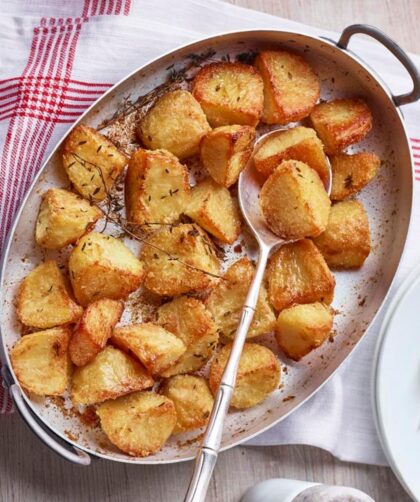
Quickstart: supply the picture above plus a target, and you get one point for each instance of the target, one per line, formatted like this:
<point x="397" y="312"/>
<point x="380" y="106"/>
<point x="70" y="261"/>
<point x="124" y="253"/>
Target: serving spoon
<point x="249" y="187"/>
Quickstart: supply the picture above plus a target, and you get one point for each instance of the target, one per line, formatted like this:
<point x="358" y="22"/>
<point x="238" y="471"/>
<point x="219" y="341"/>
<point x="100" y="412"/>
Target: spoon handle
<point x="207" y="454"/>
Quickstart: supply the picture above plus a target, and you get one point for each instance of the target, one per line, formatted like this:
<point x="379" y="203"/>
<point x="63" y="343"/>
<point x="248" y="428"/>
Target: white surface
<point x="276" y="490"/>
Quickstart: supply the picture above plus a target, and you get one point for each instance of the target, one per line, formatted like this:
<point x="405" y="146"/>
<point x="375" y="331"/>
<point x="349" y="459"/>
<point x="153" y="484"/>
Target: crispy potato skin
<point x="258" y="374"/>
<point x="190" y="321"/>
<point x="214" y="209"/>
<point x="351" y="173"/>
<point x="175" y="123"/>
<point x="229" y="93"/>
<point x="225" y="151"/>
<point x="341" y="123"/>
<point x="43" y="299"/>
<point x="294" y="202"/>
<point x="298" y="273"/>
<point x="189" y="245"/>
<point x="156" y="188"/>
<point x="192" y="399"/>
<point x="41" y="362"/>
<point x="345" y="244"/>
<point x="302" y="328"/>
<point x="63" y="217"/>
<point x="291" y="88"/>
<point x="112" y="373"/>
<point x="94" y="329"/>
<point x="226" y="301"/>
<point x="92" y="162"/>
<point x="156" y="348"/>
<point x="138" y="424"/>
<point x="103" y="267"/>
<point x="298" y="143"/>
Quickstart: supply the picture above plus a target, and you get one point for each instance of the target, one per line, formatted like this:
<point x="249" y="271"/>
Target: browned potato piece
<point x="346" y="241"/>
<point x="175" y="123"/>
<point x="43" y="299"/>
<point x="92" y="162"/>
<point x="155" y="347"/>
<point x="179" y="259"/>
<point x="190" y="321"/>
<point x="297" y="273"/>
<point x="63" y="217"/>
<point x="341" y="123"/>
<point x="112" y="373"/>
<point x="294" y="202"/>
<point x="291" y="88"/>
<point x="302" y="328"/>
<point x="229" y="93"/>
<point x="227" y="299"/>
<point x="103" y="267"/>
<point x="41" y="362"/>
<point x="258" y="374"/>
<point x="225" y="151"/>
<point x="192" y="399"/>
<point x="138" y="424"/>
<point x="94" y="329"/>
<point x="212" y="207"/>
<point x="297" y="143"/>
<point x="156" y="188"/>
<point x="350" y="173"/>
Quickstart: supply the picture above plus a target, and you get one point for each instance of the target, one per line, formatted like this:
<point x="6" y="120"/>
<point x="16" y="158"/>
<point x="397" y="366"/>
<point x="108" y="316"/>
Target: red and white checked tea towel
<point x="58" y="57"/>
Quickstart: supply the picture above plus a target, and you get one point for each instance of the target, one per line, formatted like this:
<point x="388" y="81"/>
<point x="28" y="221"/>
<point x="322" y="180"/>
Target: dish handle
<point x="395" y="49"/>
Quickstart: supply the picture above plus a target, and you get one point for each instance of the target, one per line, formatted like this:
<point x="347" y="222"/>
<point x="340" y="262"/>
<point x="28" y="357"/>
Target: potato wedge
<point x="43" y="299"/>
<point x="291" y="88"/>
<point x="258" y="374"/>
<point x="103" y="267"/>
<point x="229" y="93"/>
<point x="94" y="329"/>
<point x="214" y="209"/>
<point x="345" y="244"/>
<point x="298" y="273"/>
<point x="138" y="424"/>
<point x="92" y="162"/>
<point x="41" y="362"/>
<point x="226" y="301"/>
<point x="175" y="123"/>
<point x="112" y="373"/>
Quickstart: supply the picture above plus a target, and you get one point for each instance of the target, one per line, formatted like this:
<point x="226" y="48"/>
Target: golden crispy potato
<point x="190" y="321"/>
<point x="175" y="123"/>
<point x="192" y="399"/>
<point x="179" y="259"/>
<point x="43" y="300"/>
<point x="350" y="173"/>
<point x="213" y="208"/>
<point x="302" y="328"/>
<point x="103" y="267"/>
<point x="41" y="361"/>
<point x="346" y="241"/>
<point x="92" y="162"/>
<point x="297" y="273"/>
<point x="258" y="374"/>
<point x="229" y="93"/>
<point x="294" y="202"/>
<point x="94" y="329"/>
<point x="297" y="143"/>
<point x="155" y="347"/>
<point x="138" y="424"/>
<point x="341" y="123"/>
<point x="291" y="88"/>
<point x="225" y="151"/>
<point x="112" y="373"/>
<point x="227" y="299"/>
<point x="63" y="217"/>
<point x="156" y="188"/>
